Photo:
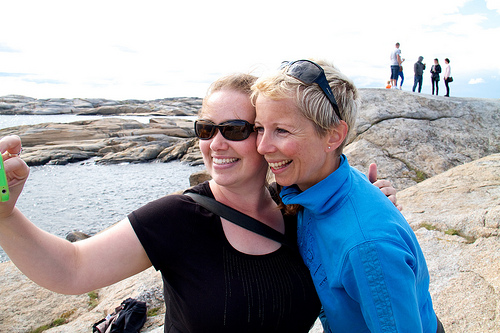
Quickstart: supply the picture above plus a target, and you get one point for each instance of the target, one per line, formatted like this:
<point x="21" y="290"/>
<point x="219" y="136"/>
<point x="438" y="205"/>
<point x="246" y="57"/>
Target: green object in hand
<point x="4" y="186"/>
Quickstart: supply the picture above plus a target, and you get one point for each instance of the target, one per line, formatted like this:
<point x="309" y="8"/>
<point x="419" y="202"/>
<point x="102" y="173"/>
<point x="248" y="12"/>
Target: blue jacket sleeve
<point x="381" y="277"/>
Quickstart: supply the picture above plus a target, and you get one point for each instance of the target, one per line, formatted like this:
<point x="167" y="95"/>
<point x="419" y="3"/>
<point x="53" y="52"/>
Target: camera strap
<point x="240" y="219"/>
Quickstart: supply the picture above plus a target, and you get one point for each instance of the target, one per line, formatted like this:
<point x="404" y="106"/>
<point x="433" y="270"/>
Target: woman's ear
<point x="336" y="136"/>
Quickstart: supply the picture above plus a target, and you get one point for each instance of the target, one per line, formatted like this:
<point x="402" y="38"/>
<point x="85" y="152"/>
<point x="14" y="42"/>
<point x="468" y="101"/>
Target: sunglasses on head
<point x="309" y="72"/>
<point x="234" y="130"/>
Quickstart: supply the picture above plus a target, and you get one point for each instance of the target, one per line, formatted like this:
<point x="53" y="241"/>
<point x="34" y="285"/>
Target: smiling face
<point x="296" y="153"/>
<point x="231" y="163"/>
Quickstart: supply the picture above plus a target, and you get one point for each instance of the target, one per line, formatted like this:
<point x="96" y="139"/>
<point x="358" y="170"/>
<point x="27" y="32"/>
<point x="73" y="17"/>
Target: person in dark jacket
<point x="419" y="69"/>
<point x="435" y="71"/>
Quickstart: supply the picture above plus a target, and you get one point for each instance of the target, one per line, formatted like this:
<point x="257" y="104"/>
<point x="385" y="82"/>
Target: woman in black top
<point x="209" y="285"/>
<point x="435" y="70"/>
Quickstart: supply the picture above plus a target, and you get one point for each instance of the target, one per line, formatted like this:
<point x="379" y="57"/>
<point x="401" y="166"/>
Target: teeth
<point x="224" y="160"/>
<point x="279" y="164"/>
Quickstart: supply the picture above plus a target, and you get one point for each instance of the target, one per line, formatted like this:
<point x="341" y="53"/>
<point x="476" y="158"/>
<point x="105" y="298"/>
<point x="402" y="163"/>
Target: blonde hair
<point x="312" y="101"/>
<point x="239" y="82"/>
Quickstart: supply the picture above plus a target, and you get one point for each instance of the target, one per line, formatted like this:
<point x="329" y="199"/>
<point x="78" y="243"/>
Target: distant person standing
<point x="435" y="70"/>
<point x="395" y="63"/>
<point x="447" y="76"/>
<point x="400" y="74"/>
<point x="418" y="69"/>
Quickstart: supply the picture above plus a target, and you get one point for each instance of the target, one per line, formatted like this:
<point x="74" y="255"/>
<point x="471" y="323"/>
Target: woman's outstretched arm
<point x="53" y="262"/>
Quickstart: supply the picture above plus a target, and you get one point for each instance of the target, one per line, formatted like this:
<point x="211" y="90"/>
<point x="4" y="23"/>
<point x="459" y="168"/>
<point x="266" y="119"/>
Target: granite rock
<point x="442" y="154"/>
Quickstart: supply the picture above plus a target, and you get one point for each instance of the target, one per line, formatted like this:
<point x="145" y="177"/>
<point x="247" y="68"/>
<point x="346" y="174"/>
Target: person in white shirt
<point x="395" y="63"/>
<point x="447" y="76"/>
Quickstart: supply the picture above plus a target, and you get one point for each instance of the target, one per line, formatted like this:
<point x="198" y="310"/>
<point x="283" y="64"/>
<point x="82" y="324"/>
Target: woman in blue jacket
<point x="365" y="261"/>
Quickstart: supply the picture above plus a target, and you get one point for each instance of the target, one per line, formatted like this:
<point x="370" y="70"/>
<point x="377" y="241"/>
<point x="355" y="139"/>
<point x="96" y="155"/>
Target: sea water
<point x="89" y="197"/>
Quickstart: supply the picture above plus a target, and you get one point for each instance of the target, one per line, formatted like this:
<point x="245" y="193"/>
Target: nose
<point x="218" y="142"/>
<point x="264" y="143"/>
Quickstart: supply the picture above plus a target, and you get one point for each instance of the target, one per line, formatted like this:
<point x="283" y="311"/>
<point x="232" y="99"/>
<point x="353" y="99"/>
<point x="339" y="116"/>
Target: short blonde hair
<point x="311" y="100"/>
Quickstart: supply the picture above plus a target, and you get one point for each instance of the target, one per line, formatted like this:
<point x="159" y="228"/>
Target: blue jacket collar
<point x="323" y="197"/>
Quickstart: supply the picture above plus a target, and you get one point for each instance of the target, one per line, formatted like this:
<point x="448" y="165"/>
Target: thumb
<point x="372" y="173"/>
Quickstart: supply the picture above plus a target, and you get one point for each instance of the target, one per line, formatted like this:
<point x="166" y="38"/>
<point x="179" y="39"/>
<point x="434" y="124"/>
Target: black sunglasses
<point x="309" y="72"/>
<point x="234" y="130"/>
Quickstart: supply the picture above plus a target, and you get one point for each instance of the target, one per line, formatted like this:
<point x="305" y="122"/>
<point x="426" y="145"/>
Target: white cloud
<point x="154" y="49"/>
<point x="476" y="81"/>
<point x="493" y="5"/>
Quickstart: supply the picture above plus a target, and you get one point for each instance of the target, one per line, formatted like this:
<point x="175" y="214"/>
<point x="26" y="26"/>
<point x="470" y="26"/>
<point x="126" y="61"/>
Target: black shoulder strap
<point x="240" y="219"/>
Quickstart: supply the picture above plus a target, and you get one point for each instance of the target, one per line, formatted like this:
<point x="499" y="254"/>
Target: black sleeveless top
<point x="211" y="287"/>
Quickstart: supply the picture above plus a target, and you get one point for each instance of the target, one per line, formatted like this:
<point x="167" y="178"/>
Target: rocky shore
<point x="22" y="105"/>
<point x="107" y="140"/>
<point x="443" y="155"/>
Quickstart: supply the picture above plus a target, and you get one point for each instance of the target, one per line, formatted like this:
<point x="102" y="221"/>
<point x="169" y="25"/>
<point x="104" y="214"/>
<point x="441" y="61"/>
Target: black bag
<point x="129" y="317"/>
<point x="450" y="79"/>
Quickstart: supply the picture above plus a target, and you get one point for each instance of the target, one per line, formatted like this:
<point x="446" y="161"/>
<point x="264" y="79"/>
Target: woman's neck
<point x="251" y="198"/>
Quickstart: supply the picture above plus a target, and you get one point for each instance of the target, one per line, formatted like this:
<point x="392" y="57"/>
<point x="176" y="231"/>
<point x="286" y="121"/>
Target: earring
<point x="329" y="147"/>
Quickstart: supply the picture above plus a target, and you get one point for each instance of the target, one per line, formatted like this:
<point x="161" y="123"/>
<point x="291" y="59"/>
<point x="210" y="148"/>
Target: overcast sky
<point x="154" y="49"/>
